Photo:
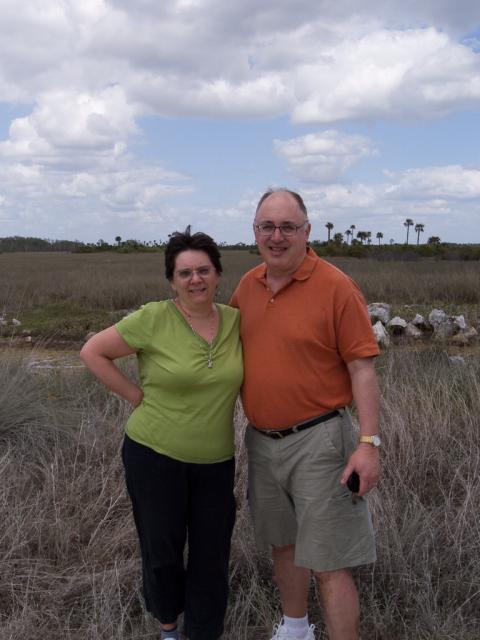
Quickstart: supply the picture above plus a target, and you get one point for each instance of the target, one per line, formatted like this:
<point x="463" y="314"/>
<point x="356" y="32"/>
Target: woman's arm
<point x="98" y="355"/>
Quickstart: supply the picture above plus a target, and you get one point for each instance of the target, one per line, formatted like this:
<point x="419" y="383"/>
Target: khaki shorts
<point x="296" y="498"/>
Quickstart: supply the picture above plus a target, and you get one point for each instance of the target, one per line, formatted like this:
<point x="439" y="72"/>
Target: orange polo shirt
<point x="297" y="342"/>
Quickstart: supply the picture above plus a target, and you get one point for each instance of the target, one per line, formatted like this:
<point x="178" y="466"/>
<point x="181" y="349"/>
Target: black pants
<point x="172" y="500"/>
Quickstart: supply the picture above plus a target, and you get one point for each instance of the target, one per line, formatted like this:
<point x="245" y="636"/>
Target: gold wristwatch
<point x="373" y="440"/>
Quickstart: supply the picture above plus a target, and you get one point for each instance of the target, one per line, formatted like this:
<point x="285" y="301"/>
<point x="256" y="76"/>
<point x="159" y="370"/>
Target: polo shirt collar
<point x="303" y="272"/>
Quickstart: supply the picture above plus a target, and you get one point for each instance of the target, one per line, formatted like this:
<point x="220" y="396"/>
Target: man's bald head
<point x="298" y="199"/>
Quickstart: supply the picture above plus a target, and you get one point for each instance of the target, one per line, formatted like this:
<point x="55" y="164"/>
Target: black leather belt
<point x="283" y="433"/>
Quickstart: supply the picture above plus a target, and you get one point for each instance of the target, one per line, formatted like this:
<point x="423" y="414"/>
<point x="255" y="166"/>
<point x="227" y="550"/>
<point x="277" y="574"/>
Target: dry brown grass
<point x="70" y="565"/>
<point x="96" y="281"/>
<point x="422" y="282"/>
<point x="109" y="281"/>
<point x="65" y="296"/>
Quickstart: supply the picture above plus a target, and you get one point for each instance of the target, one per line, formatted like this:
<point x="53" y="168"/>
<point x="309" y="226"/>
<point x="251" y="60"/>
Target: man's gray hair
<point x="295" y="196"/>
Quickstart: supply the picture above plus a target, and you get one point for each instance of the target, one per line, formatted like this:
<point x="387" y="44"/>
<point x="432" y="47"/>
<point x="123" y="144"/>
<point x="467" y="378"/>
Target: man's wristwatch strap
<point x="373" y="440"/>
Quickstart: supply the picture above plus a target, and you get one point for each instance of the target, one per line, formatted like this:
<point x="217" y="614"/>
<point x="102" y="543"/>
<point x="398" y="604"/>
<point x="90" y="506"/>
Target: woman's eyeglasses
<point x="186" y="274"/>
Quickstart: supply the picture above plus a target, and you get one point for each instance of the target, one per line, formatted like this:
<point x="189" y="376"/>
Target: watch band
<point x="373" y="440"/>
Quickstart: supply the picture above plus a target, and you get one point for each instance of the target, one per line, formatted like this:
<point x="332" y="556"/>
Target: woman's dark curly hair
<point x="186" y="241"/>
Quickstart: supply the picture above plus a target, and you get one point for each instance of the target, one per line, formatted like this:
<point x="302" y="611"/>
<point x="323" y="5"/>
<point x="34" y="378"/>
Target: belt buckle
<point x="278" y="435"/>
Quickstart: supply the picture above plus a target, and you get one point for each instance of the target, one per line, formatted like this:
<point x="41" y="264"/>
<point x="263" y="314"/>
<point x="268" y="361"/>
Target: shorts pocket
<point x="333" y="436"/>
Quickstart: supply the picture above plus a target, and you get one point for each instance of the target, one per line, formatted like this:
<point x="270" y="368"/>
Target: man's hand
<point x="365" y="461"/>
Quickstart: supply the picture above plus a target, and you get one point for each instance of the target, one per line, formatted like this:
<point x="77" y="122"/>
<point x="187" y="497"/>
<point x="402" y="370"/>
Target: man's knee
<point x="330" y="578"/>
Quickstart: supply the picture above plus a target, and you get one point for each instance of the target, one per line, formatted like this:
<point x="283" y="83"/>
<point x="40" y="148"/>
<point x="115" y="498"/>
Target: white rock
<point x="16" y="323"/>
<point x="397" y="325"/>
<point x="397" y="322"/>
<point x="456" y="359"/>
<point x="459" y="321"/>
<point x="412" y="331"/>
<point x="418" y="321"/>
<point x="437" y="317"/>
<point x="381" y="334"/>
<point x="379" y="311"/>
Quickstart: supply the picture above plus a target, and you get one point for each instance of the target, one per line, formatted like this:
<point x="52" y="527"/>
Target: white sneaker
<point x="280" y="633"/>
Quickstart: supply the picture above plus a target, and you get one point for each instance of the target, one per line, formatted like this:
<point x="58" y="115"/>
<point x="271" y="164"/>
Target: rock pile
<point x="13" y="328"/>
<point x="438" y="326"/>
<point x="4" y="322"/>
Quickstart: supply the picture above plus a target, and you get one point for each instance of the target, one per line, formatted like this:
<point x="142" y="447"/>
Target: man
<point x="308" y="351"/>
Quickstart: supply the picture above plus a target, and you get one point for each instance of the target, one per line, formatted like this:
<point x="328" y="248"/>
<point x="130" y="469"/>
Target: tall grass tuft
<point x="426" y="583"/>
<point x="70" y="566"/>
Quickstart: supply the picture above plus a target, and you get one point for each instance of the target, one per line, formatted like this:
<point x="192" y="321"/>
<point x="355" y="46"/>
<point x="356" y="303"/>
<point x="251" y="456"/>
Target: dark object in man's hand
<point x="353" y="482"/>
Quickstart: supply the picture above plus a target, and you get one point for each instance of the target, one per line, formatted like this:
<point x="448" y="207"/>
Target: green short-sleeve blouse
<point x="187" y="408"/>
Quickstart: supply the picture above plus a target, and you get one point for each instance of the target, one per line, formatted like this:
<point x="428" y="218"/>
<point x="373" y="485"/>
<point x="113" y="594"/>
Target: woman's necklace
<point x="195" y="333"/>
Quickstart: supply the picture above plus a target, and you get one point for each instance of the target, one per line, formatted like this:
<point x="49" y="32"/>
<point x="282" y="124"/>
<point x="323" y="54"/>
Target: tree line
<point x="20" y="243"/>
<point x="365" y="237"/>
<point x="23" y="244"/>
<point x="360" y="247"/>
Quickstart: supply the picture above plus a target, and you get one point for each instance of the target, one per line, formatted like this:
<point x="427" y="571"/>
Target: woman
<point x="179" y="446"/>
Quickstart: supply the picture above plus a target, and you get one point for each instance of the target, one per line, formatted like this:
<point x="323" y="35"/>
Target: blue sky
<point x="136" y="119"/>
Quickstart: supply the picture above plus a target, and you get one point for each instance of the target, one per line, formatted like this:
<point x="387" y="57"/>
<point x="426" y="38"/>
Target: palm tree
<point x="408" y="223"/>
<point x="348" y="233"/>
<point x="362" y="235"/>
<point x="419" y="229"/>
<point x="118" y="240"/>
<point x="329" y="226"/>
<point x="379" y="236"/>
<point x="369" y="237"/>
<point x="338" y="238"/>
<point x="434" y="240"/>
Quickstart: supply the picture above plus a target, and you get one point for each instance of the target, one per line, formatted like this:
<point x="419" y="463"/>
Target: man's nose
<point x="277" y="235"/>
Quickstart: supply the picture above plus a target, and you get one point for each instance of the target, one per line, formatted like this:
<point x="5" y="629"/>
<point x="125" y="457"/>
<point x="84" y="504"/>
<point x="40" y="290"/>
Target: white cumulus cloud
<point x="69" y="127"/>
<point x="442" y="183"/>
<point x="388" y="74"/>
<point x="323" y="156"/>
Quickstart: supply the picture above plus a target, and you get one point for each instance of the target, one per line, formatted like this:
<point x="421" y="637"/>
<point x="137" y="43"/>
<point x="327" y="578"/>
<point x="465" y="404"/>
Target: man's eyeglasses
<point x="186" y="274"/>
<point x="286" y="229"/>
